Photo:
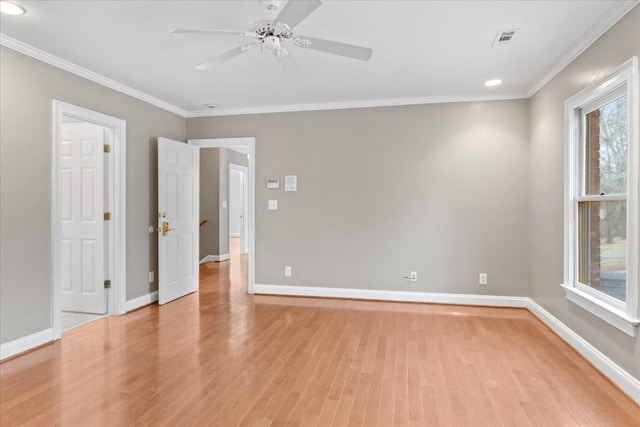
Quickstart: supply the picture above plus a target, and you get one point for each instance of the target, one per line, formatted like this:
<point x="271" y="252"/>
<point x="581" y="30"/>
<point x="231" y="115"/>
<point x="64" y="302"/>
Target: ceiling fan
<point x="275" y="35"/>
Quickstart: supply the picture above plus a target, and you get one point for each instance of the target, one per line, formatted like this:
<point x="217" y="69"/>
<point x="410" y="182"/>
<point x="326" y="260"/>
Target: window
<point x="601" y="192"/>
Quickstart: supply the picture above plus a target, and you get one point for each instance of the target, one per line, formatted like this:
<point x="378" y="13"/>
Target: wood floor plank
<point x="222" y="357"/>
<point x="333" y="399"/>
<point x="309" y="389"/>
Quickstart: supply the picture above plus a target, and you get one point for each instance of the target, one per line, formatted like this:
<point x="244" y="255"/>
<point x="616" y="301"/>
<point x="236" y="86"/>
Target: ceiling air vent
<point x="504" y="37"/>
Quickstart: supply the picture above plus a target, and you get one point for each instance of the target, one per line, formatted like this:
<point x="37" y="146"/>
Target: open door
<point x="178" y="216"/>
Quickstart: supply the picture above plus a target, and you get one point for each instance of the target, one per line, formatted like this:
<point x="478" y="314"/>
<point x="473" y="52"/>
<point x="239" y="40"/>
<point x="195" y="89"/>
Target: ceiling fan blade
<point x="296" y="11"/>
<point x="337" y="48"/>
<point x="223" y="57"/>
<point x="214" y="32"/>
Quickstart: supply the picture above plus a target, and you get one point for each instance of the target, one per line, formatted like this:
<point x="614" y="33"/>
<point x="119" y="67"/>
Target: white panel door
<point x="236" y="201"/>
<point x="178" y="217"/>
<point x="82" y="214"/>
<point x="244" y="230"/>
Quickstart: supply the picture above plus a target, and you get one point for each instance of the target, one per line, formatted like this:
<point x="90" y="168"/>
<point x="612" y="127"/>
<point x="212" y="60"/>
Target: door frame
<point x="116" y="231"/>
<point x="245" y="202"/>
<point x="250" y="144"/>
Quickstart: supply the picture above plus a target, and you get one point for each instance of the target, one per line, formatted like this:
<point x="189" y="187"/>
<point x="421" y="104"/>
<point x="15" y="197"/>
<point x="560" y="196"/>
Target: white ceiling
<point x="421" y="49"/>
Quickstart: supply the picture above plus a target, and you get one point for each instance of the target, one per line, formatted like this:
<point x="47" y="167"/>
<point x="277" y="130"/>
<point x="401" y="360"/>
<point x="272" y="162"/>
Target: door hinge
<point x="107" y="216"/>
<point x="107" y="148"/>
<point x="107" y="284"/>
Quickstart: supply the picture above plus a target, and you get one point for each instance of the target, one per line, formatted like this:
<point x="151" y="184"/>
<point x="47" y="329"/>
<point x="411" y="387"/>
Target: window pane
<point x="606" y="148"/>
<point x="602" y="247"/>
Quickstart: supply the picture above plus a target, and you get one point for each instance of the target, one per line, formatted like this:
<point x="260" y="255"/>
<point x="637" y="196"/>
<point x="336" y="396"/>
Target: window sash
<point x="579" y="246"/>
<point x="618" y="90"/>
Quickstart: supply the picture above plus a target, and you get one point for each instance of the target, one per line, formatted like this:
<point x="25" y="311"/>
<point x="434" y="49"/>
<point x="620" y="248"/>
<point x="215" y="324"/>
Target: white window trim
<point x="623" y="316"/>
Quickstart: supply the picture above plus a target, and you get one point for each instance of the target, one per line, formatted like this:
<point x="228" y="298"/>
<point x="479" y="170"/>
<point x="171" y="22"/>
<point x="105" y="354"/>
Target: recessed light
<point x="11" y="8"/>
<point x="494" y="82"/>
<point x="211" y="105"/>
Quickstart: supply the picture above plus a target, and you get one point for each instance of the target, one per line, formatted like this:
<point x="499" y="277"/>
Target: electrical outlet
<point x="287" y="271"/>
<point x="483" y="279"/>
<point x="152" y="276"/>
<point x="413" y="276"/>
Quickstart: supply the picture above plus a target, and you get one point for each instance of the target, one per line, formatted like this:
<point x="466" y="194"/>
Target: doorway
<point x="88" y="216"/>
<point x="245" y="145"/>
<point x="238" y="206"/>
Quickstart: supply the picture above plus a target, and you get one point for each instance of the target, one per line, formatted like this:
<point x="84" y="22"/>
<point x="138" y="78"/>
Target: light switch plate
<point x="273" y="205"/>
<point x="291" y="183"/>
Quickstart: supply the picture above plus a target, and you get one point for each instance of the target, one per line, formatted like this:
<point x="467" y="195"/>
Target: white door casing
<point x="82" y="210"/>
<point x="178" y="207"/>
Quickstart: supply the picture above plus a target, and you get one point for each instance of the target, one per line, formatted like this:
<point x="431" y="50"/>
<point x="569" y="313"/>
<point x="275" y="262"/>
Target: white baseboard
<point x="210" y="258"/>
<point x="369" y="294"/>
<point x="609" y="368"/>
<point x="147" y="299"/>
<point x="25" y="343"/>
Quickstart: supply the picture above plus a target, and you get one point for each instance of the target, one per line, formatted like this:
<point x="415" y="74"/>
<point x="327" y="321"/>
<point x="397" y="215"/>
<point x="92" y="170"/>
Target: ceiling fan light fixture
<point x="10" y="8"/>
<point x="494" y="82"/>
<point x="272" y="43"/>
<point x="297" y="41"/>
<point x="282" y="30"/>
<point x="281" y="53"/>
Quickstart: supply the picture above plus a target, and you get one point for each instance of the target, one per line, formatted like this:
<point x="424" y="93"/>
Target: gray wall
<point x="27" y="88"/>
<point x="209" y="201"/>
<point x="438" y="189"/>
<point x="546" y="189"/>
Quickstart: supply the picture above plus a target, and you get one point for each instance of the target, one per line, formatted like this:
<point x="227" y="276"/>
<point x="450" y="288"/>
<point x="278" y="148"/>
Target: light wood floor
<point x="222" y="357"/>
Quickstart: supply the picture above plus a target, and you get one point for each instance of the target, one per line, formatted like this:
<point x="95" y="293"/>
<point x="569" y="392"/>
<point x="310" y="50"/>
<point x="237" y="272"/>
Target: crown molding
<point x="50" y="59"/>
<point x="393" y="102"/>
<point x="605" y="25"/>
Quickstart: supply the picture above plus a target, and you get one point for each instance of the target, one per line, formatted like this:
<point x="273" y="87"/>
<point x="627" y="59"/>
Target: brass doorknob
<point x="165" y="228"/>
